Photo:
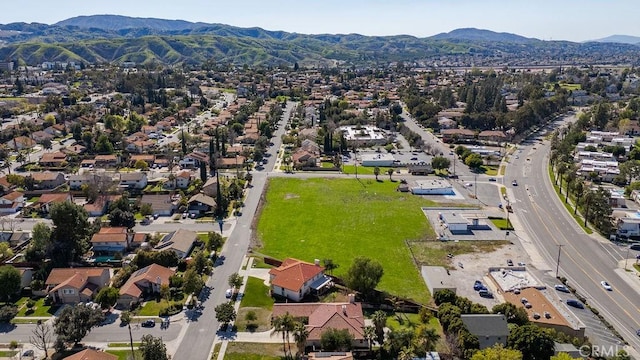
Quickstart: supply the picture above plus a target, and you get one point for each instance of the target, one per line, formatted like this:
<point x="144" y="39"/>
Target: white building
<point x="377" y="159"/>
<point x="356" y="135"/>
<point x="432" y="187"/>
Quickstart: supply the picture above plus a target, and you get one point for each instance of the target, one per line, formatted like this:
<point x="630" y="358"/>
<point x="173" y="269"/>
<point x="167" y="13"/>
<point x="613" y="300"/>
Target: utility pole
<point x="558" y="262"/>
<point x="133" y="354"/>
<point x="475" y="186"/>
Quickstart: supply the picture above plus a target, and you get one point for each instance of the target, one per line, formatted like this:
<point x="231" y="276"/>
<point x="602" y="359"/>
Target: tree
<point x="329" y="265"/>
<point x="390" y="172"/>
<point x="364" y="275"/>
<point x="474" y="161"/>
<point x="103" y="145"/>
<point x="235" y="280"/>
<point x="444" y="296"/>
<point x="513" y="314"/>
<point x="146" y="209"/>
<point x="10" y="280"/>
<point x="5" y="250"/>
<point x="425" y="339"/>
<point x="119" y="218"/>
<point x="379" y="322"/>
<point x="70" y="235"/>
<point x="440" y="163"/>
<point x="214" y="241"/>
<point x="40" y="240"/>
<point x="336" y="340"/>
<point x="107" y="297"/>
<point x="497" y="352"/>
<point x="152" y="348"/>
<point x="534" y="342"/>
<point x="193" y="282"/>
<point x="399" y="340"/>
<point x="562" y="356"/>
<point x="225" y="312"/>
<point x="284" y="324"/>
<point x="370" y="335"/>
<point x="74" y="323"/>
<point x="376" y="172"/>
<point x="42" y="336"/>
<point x="300" y="336"/>
<point x="200" y="262"/>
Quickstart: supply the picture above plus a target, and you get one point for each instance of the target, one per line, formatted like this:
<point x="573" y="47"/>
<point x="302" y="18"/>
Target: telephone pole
<point x="558" y="262"/>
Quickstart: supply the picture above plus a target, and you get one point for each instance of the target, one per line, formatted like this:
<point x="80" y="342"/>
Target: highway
<point x="198" y="339"/>
<point x="585" y="260"/>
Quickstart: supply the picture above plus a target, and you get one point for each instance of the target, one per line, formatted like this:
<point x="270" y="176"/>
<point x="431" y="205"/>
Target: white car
<point x="228" y="293"/>
<point x="606" y="285"/>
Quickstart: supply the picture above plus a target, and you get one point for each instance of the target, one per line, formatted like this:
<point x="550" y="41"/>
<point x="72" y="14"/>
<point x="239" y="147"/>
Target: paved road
<point x="585" y="260"/>
<point x="199" y="337"/>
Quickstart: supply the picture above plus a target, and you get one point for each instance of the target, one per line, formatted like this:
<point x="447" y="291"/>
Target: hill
<point x="621" y="39"/>
<point x="110" y="38"/>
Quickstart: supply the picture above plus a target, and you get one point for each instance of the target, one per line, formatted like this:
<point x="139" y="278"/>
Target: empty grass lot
<point x="254" y="351"/>
<point x="256" y="298"/>
<point x="340" y="219"/>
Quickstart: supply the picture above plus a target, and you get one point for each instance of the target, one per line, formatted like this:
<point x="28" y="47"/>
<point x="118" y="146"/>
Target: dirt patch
<point x="261" y="323"/>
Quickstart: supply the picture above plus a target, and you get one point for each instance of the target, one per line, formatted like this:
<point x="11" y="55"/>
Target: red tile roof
<point x="322" y="316"/>
<point x="293" y="273"/>
<point x="90" y="354"/>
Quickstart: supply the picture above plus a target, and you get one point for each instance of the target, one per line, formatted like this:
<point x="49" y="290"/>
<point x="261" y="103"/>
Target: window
<point x="68" y="291"/>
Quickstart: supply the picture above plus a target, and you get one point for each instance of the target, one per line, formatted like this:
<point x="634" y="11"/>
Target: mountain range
<point x="114" y="38"/>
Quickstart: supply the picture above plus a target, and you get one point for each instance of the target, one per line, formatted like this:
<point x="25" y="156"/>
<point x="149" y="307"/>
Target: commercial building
<point x="377" y="159"/>
<point x="433" y="187"/>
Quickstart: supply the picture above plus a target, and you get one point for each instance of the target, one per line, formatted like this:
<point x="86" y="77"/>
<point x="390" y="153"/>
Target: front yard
<point x="38" y="310"/>
<point x="340" y="219"/>
<point x="255" y="307"/>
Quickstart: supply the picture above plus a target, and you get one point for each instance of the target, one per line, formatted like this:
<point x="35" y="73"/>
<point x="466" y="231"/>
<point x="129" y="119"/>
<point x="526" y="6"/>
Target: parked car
<point x="485" y="294"/>
<point x="528" y="305"/>
<point x="478" y="285"/>
<point x="509" y="262"/>
<point x="514" y="183"/>
<point x="185" y="214"/>
<point x="634" y="247"/>
<point x="575" y="303"/>
<point x="148" y="323"/>
<point x="536" y="316"/>
<point x="562" y="288"/>
<point x="156" y="216"/>
<point x="228" y="293"/>
<point x="547" y="315"/>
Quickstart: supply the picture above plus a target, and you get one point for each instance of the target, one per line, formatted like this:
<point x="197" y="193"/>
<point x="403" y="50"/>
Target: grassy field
<point x="256" y="294"/>
<point x="255" y="351"/>
<point x="340" y="219"/>
<point x="435" y="252"/>
<point x="152" y="308"/>
<point x="490" y="170"/>
<point x="502" y="223"/>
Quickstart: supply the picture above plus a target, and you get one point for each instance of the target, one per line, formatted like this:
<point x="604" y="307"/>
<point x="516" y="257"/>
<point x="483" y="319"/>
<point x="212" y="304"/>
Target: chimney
<point x="352" y="298"/>
<point x="344" y="309"/>
<point x="317" y="262"/>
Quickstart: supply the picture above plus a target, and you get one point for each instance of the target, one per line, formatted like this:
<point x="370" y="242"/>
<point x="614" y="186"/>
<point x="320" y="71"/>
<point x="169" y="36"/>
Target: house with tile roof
<point x="90" y="354"/>
<point x="47" y="180"/>
<point x="294" y="279"/>
<point x="144" y="282"/>
<point x="319" y="317"/>
<point x="73" y="285"/>
<point x="180" y="241"/>
<point x="11" y="203"/>
<point x="46" y="200"/>
<point x="111" y="240"/>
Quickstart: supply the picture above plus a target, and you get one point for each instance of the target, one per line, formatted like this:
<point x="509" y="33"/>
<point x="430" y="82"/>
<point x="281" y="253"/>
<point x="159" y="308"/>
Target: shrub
<point x="169" y="310"/>
<point x="30" y="303"/>
<point x="7" y="313"/>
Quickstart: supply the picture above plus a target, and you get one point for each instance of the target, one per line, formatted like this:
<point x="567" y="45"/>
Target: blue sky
<point x="575" y="20"/>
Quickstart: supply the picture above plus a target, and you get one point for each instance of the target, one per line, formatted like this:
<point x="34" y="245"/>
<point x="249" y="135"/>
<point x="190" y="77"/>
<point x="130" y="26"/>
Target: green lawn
<point x="152" y="308"/>
<point x="340" y="219"/>
<point x="255" y="351"/>
<point x="501" y="223"/>
<point x="124" y="354"/>
<point x="637" y="267"/>
<point x="490" y="170"/>
<point x="8" y="353"/>
<point x="135" y="344"/>
<point x="256" y="294"/>
<point x="40" y="309"/>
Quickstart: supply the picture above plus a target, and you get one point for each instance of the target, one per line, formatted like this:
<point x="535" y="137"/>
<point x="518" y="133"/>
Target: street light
<point x="558" y="262"/>
<point x="626" y="258"/>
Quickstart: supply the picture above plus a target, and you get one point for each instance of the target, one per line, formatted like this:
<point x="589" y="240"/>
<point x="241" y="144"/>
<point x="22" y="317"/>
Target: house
<point x="99" y="207"/>
<point x="194" y="160"/>
<point x="47" y="180"/>
<point x="180" y="241"/>
<point x="492" y="135"/>
<point x="140" y="146"/>
<point x="490" y="329"/>
<point x="73" y="285"/>
<point x="628" y="227"/>
<point x="453" y="135"/>
<point x="46" y="200"/>
<point x="54" y="159"/>
<point x="139" y="239"/>
<point x="90" y="354"/>
<point x="111" y="240"/>
<point x="77" y="181"/>
<point x="236" y="162"/>
<point x="133" y="180"/>
<point x="319" y="317"/>
<point x="41" y="136"/>
<point x="294" y="279"/>
<point x="162" y="205"/>
<point x="148" y="158"/>
<point x="26" y="276"/>
<point x="21" y="143"/>
<point x="210" y="188"/>
<point x="183" y="179"/>
<point x="145" y="281"/>
<point x="107" y="161"/>
<point x="201" y="203"/>
<point x="303" y="158"/>
<point x="11" y="203"/>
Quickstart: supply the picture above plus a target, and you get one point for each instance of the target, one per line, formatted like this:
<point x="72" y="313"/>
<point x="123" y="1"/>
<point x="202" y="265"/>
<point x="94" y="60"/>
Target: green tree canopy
<point x="193" y="282"/>
<point x="152" y="348"/>
<point x="107" y="297"/>
<point x="440" y="163"/>
<point x="497" y="352"/>
<point x="74" y="323"/>
<point x="9" y="282"/>
<point x="225" y="312"/>
<point x="71" y="232"/>
<point x="534" y="342"/>
<point x="336" y="340"/>
<point x="364" y="275"/>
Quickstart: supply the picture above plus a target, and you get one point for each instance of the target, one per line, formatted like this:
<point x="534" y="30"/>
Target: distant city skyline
<point x="573" y="20"/>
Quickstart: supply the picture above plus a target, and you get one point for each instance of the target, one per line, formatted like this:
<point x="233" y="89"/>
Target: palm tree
<point x="561" y="170"/>
<point x="370" y="335"/>
<point x="284" y="324"/>
<point x="425" y="339"/>
<point x="300" y="335"/>
<point x="390" y="172"/>
<point x="578" y="190"/>
<point x="278" y="327"/>
<point x="376" y="172"/>
<point x="379" y="322"/>
<point x="405" y="354"/>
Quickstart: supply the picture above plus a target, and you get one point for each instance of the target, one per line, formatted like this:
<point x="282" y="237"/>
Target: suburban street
<point x="585" y="260"/>
<point x="198" y="339"/>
